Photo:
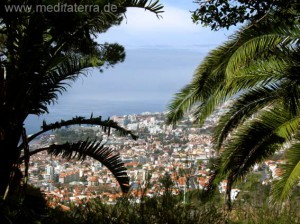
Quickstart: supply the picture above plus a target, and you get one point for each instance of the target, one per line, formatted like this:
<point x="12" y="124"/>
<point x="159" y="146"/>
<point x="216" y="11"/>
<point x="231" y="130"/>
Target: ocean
<point x="145" y="82"/>
<point x="106" y="109"/>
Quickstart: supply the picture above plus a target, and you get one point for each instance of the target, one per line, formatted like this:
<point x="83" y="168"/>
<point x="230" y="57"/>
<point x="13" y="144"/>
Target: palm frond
<point x="182" y="103"/>
<point x="106" y="125"/>
<point x="208" y="78"/>
<point x="258" y="73"/>
<point x="46" y="87"/>
<point x="257" y="139"/>
<point x="292" y="97"/>
<point x="282" y="189"/>
<point x="215" y="73"/>
<point x="254" y="141"/>
<point x="208" y="106"/>
<point x="96" y="150"/>
<point x="152" y="6"/>
<point x="239" y="158"/>
<point x="241" y="109"/>
<point x="26" y="155"/>
<point x="261" y="44"/>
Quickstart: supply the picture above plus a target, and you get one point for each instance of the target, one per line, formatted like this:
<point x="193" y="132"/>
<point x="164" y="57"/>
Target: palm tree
<point x="40" y="55"/>
<point x="257" y="71"/>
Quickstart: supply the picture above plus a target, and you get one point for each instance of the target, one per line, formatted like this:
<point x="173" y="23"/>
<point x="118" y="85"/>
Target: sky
<point x="175" y="29"/>
<point x="161" y="56"/>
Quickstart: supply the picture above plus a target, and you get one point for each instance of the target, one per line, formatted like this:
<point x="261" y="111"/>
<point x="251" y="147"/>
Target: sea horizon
<point x="145" y="82"/>
<point x="68" y="110"/>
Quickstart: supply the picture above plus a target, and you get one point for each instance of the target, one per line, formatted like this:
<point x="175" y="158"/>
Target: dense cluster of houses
<point x="182" y="152"/>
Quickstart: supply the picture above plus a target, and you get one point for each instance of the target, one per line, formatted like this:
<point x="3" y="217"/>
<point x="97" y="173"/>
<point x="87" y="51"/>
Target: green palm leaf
<point x="208" y="78"/>
<point x="182" y="103"/>
<point x="241" y="109"/>
<point x="282" y="188"/>
<point x="253" y="142"/>
<point x="257" y="139"/>
<point x="45" y="88"/>
<point x="207" y="107"/>
<point x="263" y="43"/>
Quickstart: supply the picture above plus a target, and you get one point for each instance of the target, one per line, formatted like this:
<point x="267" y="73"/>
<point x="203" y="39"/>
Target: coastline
<point x="68" y="110"/>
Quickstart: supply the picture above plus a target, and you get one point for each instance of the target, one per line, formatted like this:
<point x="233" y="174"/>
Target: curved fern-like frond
<point x="258" y="73"/>
<point x="282" y="189"/>
<point x="253" y="138"/>
<point x="95" y="150"/>
<point x="182" y="103"/>
<point x="45" y="87"/>
<point x="152" y="6"/>
<point x="241" y="109"/>
<point x="233" y="66"/>
<point x="208" y="78"/>
<point x="255" y="141"/>
<point x="105" y="124"/>
<point x="263" y="44"/>
<point x="208" y="107"/>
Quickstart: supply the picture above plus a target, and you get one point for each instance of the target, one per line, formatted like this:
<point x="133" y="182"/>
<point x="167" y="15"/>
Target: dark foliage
<point x="225" y="13"/>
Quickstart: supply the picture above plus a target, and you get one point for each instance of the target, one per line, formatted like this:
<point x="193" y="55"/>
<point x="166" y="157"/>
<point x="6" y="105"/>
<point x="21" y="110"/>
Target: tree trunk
<point x="9" y="139"/>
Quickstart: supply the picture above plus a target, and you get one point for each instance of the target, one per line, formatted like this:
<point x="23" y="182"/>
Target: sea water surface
<point x="145" y="82"/>
<point x="105" y="109"/>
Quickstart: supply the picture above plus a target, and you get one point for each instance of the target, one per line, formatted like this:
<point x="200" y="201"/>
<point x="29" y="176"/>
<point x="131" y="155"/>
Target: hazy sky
<point x="161" y="57"/>
<point x="175" y="29"/>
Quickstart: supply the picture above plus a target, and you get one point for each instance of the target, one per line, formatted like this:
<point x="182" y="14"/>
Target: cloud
<point x="173" y="19"/>
<point x="142" y="28"/>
